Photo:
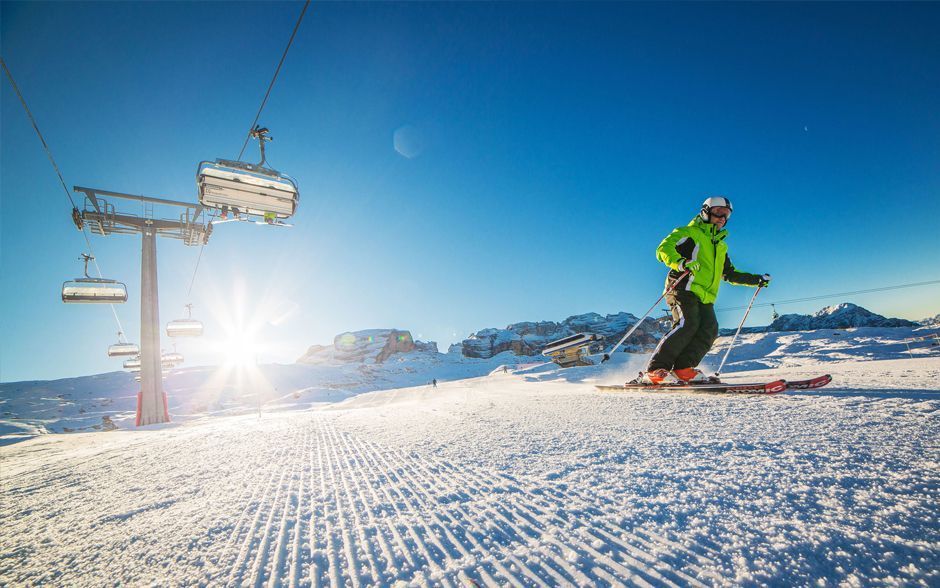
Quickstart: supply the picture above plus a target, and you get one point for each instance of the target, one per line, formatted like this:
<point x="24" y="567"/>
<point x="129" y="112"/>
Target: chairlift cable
<point x="273" y="79"/>
<point x="837" y="294"/>
<point x="55" y="166"/>
<point x="36" y="128"/>
<point x="195" y="269"/>
<point x="251" y="128"/>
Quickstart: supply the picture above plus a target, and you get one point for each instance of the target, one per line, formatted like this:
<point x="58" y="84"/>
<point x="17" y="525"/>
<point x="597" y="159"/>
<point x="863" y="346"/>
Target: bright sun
<point x="240" y="349"/>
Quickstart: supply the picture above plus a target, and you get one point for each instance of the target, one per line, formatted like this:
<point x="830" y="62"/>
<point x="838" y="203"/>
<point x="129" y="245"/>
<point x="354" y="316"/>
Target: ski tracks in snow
<point x="336" y="509"/>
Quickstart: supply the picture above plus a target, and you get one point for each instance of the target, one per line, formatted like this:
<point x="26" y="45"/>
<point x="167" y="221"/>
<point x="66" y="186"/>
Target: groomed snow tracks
<point x="298" y="501"/>
<point x="335" y="509"/>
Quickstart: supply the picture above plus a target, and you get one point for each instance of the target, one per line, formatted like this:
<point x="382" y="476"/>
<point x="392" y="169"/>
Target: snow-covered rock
<point x="369" y="346"/>
<point x="840" y="316"/>
<point x="529" y="338"/>
<point x="932" y="321"/>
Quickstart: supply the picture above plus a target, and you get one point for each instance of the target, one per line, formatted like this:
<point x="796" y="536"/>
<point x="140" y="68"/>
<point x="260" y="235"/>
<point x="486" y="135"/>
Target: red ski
<point x="810" y="384"/>
<point x="715" y="388"/>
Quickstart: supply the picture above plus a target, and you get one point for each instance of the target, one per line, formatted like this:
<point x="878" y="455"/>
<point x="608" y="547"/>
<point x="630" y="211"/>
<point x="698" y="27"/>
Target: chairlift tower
<point x="192" y="228"/>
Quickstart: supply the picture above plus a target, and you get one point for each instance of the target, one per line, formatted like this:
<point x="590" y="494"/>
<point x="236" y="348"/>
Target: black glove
<point x="764" y="281"/>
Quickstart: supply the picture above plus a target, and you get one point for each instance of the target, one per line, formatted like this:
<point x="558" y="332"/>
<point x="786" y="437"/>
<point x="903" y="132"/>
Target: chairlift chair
<point x="246" y="188"/>
<point x="171" y="359"/>
<point x="122" y="348"/>
<point x="186" y="327"/>
<point x="132" y="364"/>
<point x="90" y="290"/>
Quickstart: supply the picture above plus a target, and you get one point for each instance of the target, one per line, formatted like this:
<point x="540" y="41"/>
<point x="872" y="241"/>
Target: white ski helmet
<point x="712" y="202"/>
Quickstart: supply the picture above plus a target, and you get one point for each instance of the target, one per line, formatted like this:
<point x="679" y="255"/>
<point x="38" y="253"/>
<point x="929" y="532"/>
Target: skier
<point x="700" y="249"/>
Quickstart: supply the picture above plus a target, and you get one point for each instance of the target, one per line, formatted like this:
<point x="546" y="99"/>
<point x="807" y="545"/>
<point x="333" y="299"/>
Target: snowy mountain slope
<point x="109" y="400"/>
<point x="781" y="349"/>
<point x="522" y="477"/>
<point x="932" y="321"/>
<point x="839" y="316"/>
<point x="106" y="401"/>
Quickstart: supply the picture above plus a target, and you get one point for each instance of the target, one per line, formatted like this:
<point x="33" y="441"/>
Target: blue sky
<point x="559" y="142"/>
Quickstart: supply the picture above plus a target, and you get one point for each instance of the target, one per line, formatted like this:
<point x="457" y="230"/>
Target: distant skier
<point x="700" y="248"/>
<point x="434" y="383"/>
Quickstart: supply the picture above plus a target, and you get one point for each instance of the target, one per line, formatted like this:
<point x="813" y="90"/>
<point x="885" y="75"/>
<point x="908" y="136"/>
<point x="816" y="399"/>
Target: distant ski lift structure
<point x="245" y="188"/>
<point x="132" y="364"/>
<point x="122" y="348"/>
<point x="571" y="351"/>
<point x="171" y="359"/>
<point x="90" y="290"/>
<point x="190" y="224"/>
<point x="186" y="327"/>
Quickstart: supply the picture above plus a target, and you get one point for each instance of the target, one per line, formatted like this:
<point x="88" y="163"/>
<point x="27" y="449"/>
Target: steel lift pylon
<point x="192" y="227"/>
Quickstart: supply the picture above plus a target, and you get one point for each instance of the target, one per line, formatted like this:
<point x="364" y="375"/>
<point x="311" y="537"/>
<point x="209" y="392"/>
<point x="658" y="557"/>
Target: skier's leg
<point x="685" y="323"/>
<point x="703" y="339"/>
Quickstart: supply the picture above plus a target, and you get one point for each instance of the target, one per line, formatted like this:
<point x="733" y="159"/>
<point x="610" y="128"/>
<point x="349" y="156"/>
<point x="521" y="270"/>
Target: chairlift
<point x="132" y="364"/>
<point x="238" y="187"/>
<point x="186" y="327"/>
<point x="122" y="348"/>
<point x="171" y="359"/>
<point x="91" y="290"/>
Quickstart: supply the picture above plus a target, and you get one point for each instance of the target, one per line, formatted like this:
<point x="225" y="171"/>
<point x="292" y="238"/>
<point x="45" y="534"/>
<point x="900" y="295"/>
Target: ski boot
<point x="654" y="378"/>
<point x="694" y="376"/>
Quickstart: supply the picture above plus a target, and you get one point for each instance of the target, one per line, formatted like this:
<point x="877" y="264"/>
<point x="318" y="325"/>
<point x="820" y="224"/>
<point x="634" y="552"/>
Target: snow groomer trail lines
<point x="531" y="478"/>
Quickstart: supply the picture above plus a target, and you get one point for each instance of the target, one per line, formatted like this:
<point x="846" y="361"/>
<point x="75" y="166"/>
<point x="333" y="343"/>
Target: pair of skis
<point x="721" y="388"/>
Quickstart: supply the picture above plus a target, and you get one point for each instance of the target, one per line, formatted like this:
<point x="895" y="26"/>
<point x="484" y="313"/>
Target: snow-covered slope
<point x="106" y="401"/>
<point x="526" y="476"/>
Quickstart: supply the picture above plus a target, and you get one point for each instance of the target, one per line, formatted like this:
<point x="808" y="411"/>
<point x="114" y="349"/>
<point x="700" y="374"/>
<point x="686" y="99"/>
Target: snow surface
<point x="525" y="475"/>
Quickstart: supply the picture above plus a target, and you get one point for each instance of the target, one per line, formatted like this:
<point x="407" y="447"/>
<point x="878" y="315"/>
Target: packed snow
<point x="516" y="474"/>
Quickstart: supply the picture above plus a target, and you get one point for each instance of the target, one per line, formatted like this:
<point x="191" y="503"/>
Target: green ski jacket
<point x="704" y="243"/>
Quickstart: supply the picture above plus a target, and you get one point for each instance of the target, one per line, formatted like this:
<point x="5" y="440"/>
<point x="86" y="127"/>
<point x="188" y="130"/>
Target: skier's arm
<point x="667" y="251"/>
<point x="733" y="276"/>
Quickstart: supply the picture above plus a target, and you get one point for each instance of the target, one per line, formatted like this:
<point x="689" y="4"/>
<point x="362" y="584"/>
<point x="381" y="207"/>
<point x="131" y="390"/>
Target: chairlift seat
<point x="94" y="291"/>
<point x="132" y="364"/>
<point x="123" y="349"/>
<point x="251" y="189"/>
<point x="171" y="359"/>
<point x="184" y="328"/>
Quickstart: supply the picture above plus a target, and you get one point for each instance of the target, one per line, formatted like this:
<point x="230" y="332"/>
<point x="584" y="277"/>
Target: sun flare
<point x="240" y="349"/>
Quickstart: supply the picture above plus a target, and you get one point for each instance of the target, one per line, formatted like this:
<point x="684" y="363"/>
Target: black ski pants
<point x="694" y="330"/>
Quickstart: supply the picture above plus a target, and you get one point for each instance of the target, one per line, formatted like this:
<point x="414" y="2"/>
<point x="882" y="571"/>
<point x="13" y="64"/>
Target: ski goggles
<point x="720" y="212"/>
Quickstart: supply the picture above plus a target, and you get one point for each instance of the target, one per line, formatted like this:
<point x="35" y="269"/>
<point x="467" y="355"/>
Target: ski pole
<point x="630" y="332"/>
<point x="736" y="333"/>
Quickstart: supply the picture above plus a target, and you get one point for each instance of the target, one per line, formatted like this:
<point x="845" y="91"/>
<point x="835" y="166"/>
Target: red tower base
<point x="166" y="409"/>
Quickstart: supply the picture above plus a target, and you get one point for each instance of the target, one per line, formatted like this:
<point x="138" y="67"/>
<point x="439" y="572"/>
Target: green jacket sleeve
<point x="733" y="276"/>
<point x="666" y="252"/>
